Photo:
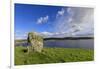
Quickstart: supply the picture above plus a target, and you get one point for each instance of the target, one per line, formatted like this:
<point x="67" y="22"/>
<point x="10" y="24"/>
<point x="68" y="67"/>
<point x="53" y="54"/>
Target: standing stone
<point x="36" y="42"/>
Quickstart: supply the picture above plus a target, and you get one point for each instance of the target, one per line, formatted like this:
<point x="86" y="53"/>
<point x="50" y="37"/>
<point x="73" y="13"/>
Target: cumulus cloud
<point x="60" y="13"/>
<point x="20" y="35"/>
<point x="42" y="19"/>
<point x="78" y="20"/>
<point x="52" y="34"/>
<point x="47" y="33"/>
<point x="75" y="21"/>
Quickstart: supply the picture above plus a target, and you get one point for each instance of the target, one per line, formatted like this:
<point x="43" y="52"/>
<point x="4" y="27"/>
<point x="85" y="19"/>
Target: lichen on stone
<point x="36" y="42"/>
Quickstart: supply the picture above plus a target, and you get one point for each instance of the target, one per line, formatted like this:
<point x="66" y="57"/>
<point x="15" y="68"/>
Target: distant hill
<point x="71" y="38"/>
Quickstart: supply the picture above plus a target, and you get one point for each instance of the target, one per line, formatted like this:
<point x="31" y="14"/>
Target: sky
<point x="53" y="21"/>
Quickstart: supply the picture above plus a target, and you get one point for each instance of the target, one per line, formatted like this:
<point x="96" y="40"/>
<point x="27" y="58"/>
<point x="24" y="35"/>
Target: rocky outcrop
<point x="36" y="42"/>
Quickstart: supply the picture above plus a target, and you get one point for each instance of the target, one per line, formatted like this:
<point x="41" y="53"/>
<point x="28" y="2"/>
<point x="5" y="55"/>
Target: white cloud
<point x="20" y="35"/>
<point x="60" y="13"/>
<point x="53" y="34"/>
<point x="42" y="19"/>
<point x="46" y="33"/>
<point x="69" y="11"/>
<point x="73" y="22"/>
<point x="78" y="20"/>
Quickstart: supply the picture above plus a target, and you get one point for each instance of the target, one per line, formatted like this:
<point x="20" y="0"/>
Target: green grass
<point x="52" y="55"/>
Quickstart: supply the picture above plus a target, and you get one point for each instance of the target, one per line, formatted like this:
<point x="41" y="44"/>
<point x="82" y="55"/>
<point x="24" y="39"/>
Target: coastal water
<point x="81" y="43"/>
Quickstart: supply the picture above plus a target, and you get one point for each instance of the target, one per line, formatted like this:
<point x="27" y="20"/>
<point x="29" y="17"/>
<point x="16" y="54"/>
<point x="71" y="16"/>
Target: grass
<point x="52" y="55"/>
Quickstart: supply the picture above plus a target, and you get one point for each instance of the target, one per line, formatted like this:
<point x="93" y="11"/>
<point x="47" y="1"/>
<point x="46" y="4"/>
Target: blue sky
<point x="52" y="21"/>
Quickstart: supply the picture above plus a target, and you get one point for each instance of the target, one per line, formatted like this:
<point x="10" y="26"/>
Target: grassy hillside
<point x="52" y="55"/>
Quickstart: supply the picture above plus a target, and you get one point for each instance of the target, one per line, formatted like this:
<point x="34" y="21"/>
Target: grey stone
<point x="36" y="42"/>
